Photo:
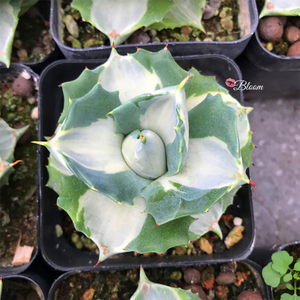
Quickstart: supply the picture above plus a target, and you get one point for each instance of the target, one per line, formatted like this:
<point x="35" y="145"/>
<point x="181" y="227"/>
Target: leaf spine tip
<point x="207" y="210"/>
<point x="60" y="85"/>
<point x="86" y="68"/>
<point x="113" y="46"/>
<point x="70" y="101"/>
<point x="98" y="82"/>
<point x="137" y="48"/>
<point x="183" y="82"/>
<point x="252" y="131"/>
<point x="254" y="146"/>
<point x="253" y="164"/>
<point x="250" y="182"/>
<point x="14" y="163"/>
<point x="98" y="262"/>
<point x="180" y="149"/>
<point x="83" y="20"/>
<point x="208" y="91"/>
<point x="120" y="203"/>
<point x="238" y="151"/>
<point x="215" y="77"/>
<point x="102" y="246"/>
<point x="166" y="47"/>
<point x="219" y="91"/>
<point x="156" y="225"/>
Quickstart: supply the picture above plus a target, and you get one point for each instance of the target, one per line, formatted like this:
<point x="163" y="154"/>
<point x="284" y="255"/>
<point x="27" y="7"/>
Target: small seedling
<point x="279" y="272"/>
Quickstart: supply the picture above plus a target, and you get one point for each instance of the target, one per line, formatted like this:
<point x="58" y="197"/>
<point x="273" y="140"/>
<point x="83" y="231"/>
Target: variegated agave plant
<point x="148" y="290"/>
<point x="281" y="8"/>
<point x="8" y="140"/>
<point x="119" y="19"/>
<point x="10" y="10"/>
<point x="140" y="143"/>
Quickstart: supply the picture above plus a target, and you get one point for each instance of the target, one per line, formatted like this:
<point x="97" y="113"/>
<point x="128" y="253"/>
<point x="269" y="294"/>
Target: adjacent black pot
<point x="268" y="61"/>
<point x="276" y="248"/>
<point x="57" y="251"/>
<point x="39" y="66"/>
<point x="38" y="281"/>
<point x="230" y="48"/>
<point x="10" y="74"/>
<point x="254" y="268"/>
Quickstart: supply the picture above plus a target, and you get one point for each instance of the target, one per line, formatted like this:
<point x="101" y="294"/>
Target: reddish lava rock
<point x="225" y="278"/>
<point x="270" y="29"/>
<point x="197" y="289"/>
<point x="294" y="50"/>
<point x="249" y="295"/>
<point x="22" y="87"/>
<point x="292" y="34"/>
<point x="191" y="276"/>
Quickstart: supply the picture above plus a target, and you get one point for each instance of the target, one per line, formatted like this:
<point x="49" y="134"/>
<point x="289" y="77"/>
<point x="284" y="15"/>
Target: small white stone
<point x="25" y="75"/>
<point x="35" y="113"/>
<point x="237" y="221"/>
<point x="31" y="100"/>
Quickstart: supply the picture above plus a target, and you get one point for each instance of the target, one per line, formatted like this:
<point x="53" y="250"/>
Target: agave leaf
<point x="26" y="4"/>
<point x="281" y="8"/>
<point x="5" y="171"/>
<point x="163" y="112"/>
<point x="119" y="19"/>
<point x="144" y="70"/>
<point x="8" y="140"/>
<point x="108" y="227"/>
<point x="9" y="10"/>
<point x="209" y="221"/>
<point x="86" y="142"/>
<point x="185" y="13"/>
<point x="148" y="290"/>
<point x="214" y="145"/>
<point x="196" y="92"/>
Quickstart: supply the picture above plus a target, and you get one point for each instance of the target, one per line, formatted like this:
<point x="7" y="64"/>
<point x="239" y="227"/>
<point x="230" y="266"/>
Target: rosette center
<point x="145" y="153"/>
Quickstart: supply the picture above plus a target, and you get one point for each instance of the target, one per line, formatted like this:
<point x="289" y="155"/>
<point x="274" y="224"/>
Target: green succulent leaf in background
<point x="119" y="19"/>
<point x="281" y="8"/>
<point x="153" y="291"/>
<point x="185" y="13"/>
<point x="8" y="140"/>
<point x="138" y="99"/>
<point x="10" y="10"/>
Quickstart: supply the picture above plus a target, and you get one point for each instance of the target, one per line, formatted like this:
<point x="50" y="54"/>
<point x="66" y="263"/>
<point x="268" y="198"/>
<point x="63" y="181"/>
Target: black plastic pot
<point x="10" y="74"/>
<point x="34" y="278"/>
<point x="57" y="251"/>
<point x="230" y="48"/>
<point x="254" y="268"/>
<point x="276" y="248"/>
<point x="39" y="66"/>
<point x="268" y="61"/>
<point x="275" y="84"/>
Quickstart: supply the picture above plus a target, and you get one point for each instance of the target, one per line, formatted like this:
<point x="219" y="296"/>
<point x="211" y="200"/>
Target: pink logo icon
<point x="230" y="82"/>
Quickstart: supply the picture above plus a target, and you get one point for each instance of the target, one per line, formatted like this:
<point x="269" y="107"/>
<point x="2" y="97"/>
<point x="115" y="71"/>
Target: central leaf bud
<point x="145" y="153"/>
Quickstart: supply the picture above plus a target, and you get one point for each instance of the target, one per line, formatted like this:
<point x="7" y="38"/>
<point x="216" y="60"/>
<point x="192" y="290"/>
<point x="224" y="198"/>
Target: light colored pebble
<point x="25" y="75"/>
<point x="58" y="230"/>
<point x="237" y="221"/>
<point x="31" y="100"/>
<point x="35" y="113"/>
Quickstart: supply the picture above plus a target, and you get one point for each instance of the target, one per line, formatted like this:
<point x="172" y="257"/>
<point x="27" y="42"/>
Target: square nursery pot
<point x="248" y="17"/>
<point x="11" y="74"/>
<point x="39" y="66"/>
<point x="250" y="265"/>
<point x="37" y="283"/>
<point x="276" y="248"/>
<point x="57" y="251"/>
<point x="40" y="14"/>
<point x="278" y="75"/>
